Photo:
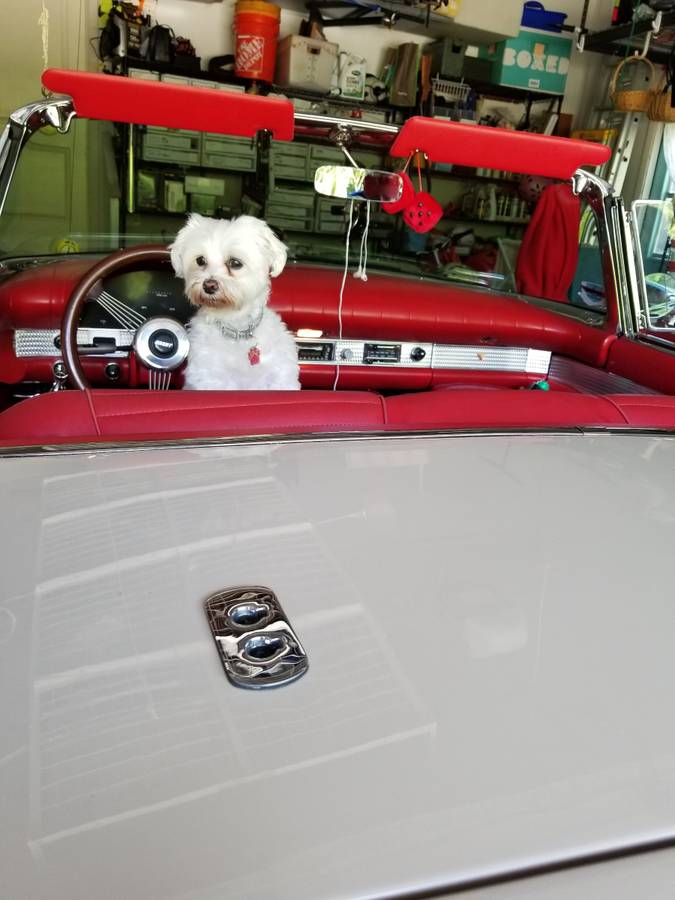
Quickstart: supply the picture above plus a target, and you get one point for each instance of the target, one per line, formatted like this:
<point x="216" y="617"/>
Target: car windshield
<point x="103" y="186"/>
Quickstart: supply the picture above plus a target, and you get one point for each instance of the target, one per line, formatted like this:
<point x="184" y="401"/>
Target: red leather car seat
<point x="109" y="415"/>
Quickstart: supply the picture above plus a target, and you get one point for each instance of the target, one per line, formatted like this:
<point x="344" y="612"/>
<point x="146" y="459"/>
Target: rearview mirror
<point x="349" y="183"/>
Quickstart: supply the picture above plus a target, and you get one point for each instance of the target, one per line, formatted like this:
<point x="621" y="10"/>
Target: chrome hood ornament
<point x="257" y="646"/>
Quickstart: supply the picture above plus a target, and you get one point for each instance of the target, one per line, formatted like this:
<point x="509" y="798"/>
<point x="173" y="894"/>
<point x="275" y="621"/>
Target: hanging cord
<point x="43" y="24"/>
<point x="363" y="250"/>
<point x="342" y="288"/>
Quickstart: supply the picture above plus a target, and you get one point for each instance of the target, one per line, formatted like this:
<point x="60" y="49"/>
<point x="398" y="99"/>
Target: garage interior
<point x="558" y="70"/>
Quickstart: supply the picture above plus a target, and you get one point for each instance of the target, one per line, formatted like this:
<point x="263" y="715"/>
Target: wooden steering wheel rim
<point x="73" y="311"/>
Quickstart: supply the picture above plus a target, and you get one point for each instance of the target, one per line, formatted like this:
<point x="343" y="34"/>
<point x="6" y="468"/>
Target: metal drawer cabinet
<point x="291" y="208"/>
<point x="166" y="145"/>
<point x="229" y="154"/>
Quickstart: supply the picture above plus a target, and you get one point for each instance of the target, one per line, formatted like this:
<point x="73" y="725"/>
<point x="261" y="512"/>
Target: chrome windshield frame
<point x="614" y="233"/>
<point x="22" y="124"/>
<point x="621" y="286"/>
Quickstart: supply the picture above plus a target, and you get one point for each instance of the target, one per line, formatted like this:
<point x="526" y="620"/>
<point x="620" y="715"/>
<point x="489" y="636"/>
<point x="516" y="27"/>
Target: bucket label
<point x="250" y="53"/>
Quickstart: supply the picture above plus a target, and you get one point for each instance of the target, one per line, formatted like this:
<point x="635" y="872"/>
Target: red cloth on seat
<point x="547" y="261"/>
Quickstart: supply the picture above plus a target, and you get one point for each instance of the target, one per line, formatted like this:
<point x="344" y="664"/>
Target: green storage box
<point x="447" y="57"/>
<point x="167" y="145"/>
<point x="291" y="208"/>
<point x="534" y="61"/>
<point x="228" y="153"/>
<point x="287" y="162"/>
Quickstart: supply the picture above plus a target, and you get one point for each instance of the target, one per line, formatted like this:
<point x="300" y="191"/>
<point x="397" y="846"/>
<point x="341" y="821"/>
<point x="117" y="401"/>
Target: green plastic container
<point x="447" y="57"/>
<point x="534" y="61"/>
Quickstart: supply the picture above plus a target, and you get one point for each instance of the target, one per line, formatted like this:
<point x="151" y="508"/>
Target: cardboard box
<point x="534" y="61"/>
<point x="306" y="64"/>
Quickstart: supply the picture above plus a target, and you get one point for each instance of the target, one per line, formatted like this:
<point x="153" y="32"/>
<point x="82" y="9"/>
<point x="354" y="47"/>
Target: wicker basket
<point x="632" y="100"/>
<point x="660" y="108"/>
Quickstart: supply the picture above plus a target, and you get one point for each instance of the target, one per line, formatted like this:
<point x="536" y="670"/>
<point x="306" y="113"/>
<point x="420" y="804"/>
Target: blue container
<point x="536" y="16"/>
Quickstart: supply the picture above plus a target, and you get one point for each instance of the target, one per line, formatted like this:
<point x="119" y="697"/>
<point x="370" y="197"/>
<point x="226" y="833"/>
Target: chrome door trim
<point x="90" y="447"/>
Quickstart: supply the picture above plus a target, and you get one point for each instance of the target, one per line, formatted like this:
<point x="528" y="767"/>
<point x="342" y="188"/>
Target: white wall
<point x="71" y="24"/>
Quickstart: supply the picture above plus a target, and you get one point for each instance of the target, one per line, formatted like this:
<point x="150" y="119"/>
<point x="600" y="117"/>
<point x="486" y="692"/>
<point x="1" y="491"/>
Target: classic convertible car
<point x="449" y="553"/>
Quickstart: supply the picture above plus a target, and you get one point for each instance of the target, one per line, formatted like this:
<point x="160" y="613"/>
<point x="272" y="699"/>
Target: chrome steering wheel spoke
<point x="159" y="380"/>
<point x="126" y="315"/>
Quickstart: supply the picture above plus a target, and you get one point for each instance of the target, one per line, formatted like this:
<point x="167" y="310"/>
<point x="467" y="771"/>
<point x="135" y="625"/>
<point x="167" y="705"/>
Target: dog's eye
<point x="234" y="263"/>
<point x="201" y="260"/>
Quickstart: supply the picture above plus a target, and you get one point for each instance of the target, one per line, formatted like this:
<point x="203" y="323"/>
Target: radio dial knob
<point x="346" y="354"/>
<point x="417" y="354"/>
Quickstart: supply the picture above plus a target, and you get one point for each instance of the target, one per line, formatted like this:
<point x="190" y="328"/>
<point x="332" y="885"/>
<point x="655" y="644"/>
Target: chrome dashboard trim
<point x="476" y="357"/>
<point x="40" y="342"/>
<point x="348" y="352"/>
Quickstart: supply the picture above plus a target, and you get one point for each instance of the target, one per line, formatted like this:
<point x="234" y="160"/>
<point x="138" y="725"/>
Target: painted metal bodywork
<point x="489" y="625"/>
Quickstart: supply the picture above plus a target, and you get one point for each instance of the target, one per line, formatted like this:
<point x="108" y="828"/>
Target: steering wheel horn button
<point x="162" y="344"/>
<point x="256" y="643"/>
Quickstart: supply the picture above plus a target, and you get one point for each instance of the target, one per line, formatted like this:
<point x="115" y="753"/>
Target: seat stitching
<point x="182" y="409"/>
<point x="92" y="410"/>
<point x="616" y="406"/>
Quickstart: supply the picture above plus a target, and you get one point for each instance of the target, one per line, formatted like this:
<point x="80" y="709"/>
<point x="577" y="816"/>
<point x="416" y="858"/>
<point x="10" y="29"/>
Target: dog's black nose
<point x="210" y="286"/>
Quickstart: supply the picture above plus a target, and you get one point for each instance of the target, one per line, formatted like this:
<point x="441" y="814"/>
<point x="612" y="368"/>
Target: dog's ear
<point x="278" y="252"/>
<point x="178" y="246"/>
<point x="275" y="250"/>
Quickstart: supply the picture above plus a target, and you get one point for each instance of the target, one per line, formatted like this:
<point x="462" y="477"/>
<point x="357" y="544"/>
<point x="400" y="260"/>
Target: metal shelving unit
<point x="624" y="39"/>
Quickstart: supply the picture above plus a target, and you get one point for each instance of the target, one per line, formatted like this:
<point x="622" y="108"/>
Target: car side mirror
<point x="349" y="183"/>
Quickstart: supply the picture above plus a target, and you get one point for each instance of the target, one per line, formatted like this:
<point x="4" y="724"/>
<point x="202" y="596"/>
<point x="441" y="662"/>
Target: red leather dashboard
<point x="386" y="307"/>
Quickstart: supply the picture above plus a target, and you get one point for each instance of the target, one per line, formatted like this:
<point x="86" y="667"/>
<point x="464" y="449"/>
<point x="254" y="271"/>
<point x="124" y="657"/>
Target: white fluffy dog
<point x="236" y="342"/>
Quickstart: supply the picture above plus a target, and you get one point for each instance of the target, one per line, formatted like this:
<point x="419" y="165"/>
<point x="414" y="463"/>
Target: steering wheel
<point x="161" y="343"/>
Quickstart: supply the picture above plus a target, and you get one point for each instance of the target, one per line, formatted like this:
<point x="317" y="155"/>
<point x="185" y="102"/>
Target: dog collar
<point x="241" y="333"/>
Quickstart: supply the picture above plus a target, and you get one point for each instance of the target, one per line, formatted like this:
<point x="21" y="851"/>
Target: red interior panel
<point x="118" y="99"/>
<point x="645" y="363"/>
<point x="497" y="148"/>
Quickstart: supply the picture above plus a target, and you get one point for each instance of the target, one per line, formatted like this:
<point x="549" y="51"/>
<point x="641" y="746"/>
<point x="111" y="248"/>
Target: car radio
<point x="381" y="353"/>
<point x="316" y="351"/>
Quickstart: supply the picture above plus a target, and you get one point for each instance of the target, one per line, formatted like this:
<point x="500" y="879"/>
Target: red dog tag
<point x="423" y="212"/>
<point x="254" y="356"/>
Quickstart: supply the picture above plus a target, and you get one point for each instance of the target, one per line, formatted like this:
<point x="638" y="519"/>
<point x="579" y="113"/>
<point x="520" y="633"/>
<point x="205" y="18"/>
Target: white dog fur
<point x="226" y="265"/>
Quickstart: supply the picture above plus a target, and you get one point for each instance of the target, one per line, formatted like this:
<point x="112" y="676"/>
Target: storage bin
<point x="291" y="208"/>
<point x="306" y="64"/>
<point x="287" y="162"/>
<point x="535" y="15"/>
<point x="534" y="60"/>
<point x="447" y="57"/>
<point x="167" y="145"/>
<point x="228" y="154"/>
<point x="256" y="29"/>
<point x="330" y="216"/>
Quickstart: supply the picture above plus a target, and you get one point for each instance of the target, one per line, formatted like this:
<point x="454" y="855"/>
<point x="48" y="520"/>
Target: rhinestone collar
<point x="239" y="334"/>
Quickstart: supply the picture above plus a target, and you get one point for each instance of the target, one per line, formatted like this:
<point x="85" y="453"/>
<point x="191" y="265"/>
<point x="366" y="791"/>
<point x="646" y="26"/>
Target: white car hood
<point x="490" y="628"/>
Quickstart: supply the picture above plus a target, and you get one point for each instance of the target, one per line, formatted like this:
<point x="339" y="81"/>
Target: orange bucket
<point x="256" y="30"/>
